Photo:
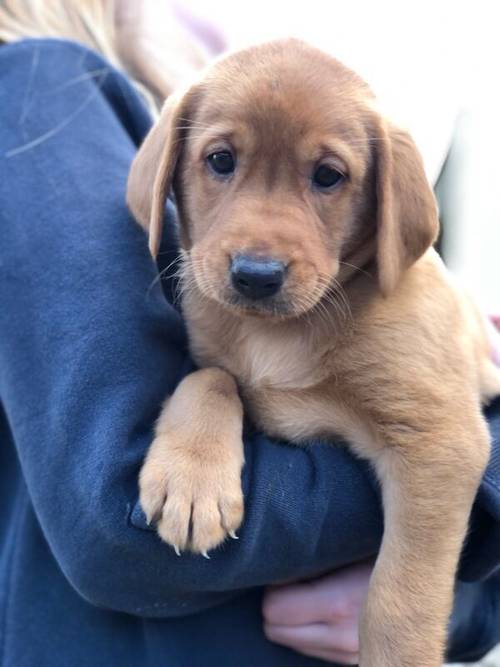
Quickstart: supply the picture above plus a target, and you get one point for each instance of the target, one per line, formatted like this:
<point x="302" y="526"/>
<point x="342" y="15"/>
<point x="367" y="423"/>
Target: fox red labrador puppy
<point x="313" y="298"/>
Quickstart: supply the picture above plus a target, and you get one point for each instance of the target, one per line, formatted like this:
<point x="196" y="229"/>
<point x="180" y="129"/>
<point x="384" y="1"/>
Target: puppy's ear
<point x="153" y="168"/>
<point x="407" y="218"/>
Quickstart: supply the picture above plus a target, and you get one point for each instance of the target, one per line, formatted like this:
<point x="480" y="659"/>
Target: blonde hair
<point x="118" y="31"/>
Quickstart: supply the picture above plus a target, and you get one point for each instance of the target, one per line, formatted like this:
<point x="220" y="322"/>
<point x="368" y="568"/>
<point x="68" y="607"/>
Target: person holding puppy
<point x="89" y="347"/>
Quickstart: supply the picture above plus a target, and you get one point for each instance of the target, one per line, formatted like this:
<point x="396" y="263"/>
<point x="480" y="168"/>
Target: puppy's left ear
<point x="407" y="216"/>
<point x="153" y="168"/>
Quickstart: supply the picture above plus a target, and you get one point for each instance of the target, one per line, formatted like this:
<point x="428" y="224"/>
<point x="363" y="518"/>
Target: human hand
<point x="319" y="618"/>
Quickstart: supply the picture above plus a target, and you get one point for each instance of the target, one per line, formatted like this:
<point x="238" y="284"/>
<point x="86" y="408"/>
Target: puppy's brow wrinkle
<point x="192" y="122"/>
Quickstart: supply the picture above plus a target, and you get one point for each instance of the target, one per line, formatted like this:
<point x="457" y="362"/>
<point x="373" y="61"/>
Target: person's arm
<point x="89" y="351"/>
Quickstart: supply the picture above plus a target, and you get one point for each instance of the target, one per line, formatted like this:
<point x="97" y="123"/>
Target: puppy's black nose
<point x="256" y="277"/>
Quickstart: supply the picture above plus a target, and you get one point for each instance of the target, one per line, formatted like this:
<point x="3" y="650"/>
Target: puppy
<point x="313" y="298"/>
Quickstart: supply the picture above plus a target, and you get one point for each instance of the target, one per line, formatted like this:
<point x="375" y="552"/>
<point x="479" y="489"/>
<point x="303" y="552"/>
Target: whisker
<point x="161" y="274"/>
<point x="357" y="269"/>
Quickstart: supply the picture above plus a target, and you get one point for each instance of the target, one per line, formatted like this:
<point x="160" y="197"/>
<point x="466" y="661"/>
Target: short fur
<point x="368" y="340"/>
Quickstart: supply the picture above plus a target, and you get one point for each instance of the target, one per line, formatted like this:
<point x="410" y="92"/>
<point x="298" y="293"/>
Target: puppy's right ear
<point x="153" y="168"/>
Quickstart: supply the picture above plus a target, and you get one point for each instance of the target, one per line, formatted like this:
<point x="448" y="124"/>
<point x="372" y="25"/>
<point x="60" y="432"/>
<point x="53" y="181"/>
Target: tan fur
<point x="368" y="340"/>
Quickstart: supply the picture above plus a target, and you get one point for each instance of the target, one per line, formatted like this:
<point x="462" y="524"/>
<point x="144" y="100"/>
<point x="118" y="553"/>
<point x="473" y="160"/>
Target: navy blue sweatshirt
<point x="89" y="348"/>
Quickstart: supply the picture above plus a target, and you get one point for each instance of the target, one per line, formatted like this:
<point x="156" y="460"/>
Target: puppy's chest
<point x="288" y="383"/>
<point x="259" y="357"/>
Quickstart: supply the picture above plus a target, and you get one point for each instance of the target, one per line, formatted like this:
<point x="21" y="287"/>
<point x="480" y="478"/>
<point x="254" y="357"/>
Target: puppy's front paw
<point x="195" y="501"/>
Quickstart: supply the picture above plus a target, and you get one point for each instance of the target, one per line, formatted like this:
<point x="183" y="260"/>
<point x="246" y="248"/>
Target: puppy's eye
<point x="326" y="177"/>
<point x="221" y="162"/>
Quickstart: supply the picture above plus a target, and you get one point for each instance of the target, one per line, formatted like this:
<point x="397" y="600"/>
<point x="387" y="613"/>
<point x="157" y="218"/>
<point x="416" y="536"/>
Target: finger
<point x="293" y="604"/>
<point x="323" y="600"/>
<point x="315" y="637"/>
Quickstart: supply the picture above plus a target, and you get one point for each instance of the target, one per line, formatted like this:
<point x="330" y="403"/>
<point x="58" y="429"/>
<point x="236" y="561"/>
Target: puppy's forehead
<point x="286" y="85"/>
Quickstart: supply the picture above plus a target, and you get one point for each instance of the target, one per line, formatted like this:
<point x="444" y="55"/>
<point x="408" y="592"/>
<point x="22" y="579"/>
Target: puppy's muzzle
<point x="257" y="277"/>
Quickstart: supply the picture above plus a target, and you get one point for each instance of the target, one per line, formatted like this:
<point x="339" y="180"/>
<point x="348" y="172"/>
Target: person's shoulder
<point x="33" y="47"/>
<point x="45" y="64"/>
<point x="47" y="83"/>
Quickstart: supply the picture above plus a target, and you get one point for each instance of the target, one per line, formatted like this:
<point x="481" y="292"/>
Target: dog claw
<point x="177" y="550"/>
<point x="233" y="535"/>
<point x="205" y="555"/>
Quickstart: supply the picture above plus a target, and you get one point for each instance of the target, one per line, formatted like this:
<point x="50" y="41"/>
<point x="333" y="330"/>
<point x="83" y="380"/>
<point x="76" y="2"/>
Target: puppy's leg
<point x="191" y="479"/>
<point x="429" y="483"/>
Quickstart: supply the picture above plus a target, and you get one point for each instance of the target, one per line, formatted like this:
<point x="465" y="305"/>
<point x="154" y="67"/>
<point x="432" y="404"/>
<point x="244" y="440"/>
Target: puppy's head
<point x="282" y="168"/>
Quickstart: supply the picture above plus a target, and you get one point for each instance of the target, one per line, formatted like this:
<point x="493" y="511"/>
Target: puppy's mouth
<point x="278" y="306"/>
<point x="284" y="305"/>
<point x="258" y="287"/>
